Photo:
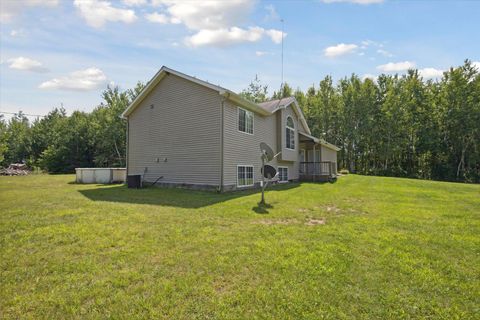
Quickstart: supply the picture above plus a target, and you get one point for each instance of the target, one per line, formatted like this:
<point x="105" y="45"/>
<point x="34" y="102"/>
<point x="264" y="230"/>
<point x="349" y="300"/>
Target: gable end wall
<point x="180" y="137"/>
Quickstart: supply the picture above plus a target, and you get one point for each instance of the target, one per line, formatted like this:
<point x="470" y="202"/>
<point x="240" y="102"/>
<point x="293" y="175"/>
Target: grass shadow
<point x="262" y="208"/>
<point x="173" y="197"/>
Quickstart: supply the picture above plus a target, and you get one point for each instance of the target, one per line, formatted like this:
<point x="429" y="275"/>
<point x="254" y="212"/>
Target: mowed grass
<point x="360" y="248"/>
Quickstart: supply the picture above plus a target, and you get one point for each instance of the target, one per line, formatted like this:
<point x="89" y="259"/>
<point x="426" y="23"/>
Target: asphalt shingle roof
<point x="273" y="105"/>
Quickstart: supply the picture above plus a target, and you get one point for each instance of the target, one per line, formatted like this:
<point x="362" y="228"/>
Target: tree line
<point x="395" y="125"/>
<point x="58" y="143"/>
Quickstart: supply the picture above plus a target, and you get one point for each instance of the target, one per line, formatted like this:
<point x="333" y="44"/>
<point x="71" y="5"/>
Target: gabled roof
<point x="164" y="71"/>
<point x="275" y="105"/>
<point x="265" y="109"/>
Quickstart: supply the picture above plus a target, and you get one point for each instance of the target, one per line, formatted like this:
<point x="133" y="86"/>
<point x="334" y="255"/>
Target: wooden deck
<point x="318" y="171"/>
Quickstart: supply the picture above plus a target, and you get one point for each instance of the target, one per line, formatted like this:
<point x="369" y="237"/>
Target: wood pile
<point x="15" y="169"/>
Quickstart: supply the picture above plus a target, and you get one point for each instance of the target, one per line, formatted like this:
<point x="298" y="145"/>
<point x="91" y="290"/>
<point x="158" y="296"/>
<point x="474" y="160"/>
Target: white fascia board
<point x="298" y="111"/>
<point x="232" y="96"/>
<point x="149" y="87"/>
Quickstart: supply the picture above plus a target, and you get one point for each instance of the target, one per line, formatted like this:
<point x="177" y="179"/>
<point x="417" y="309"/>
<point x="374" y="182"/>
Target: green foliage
<point x="388" y="248"/>
<point x="3" y="140"/>
<point x="285" y="92"/>
<point x="402" y="125"/>
<point x="256" y="91"/>
<point x="17" y="138"/>
<point x="395" y="126"/>
<point x="59" y="143"/>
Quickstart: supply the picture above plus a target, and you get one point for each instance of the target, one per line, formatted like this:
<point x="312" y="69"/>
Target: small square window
<point x="282" y="174"/>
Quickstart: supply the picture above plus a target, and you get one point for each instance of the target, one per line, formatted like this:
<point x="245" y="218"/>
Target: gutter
<point x="126" y="148"/>
<point x="244" y="103"/>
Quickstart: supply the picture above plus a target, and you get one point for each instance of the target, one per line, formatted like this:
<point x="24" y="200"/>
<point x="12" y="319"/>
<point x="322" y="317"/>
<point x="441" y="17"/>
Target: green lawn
<point x="360" y="248"/>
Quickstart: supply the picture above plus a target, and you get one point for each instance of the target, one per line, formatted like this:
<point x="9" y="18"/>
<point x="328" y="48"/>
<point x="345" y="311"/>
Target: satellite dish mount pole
<point x="263" y="180"/>
<point x="268" y="172"/>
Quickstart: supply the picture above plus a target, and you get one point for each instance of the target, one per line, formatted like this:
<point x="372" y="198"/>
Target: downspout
<point x="126" y="149"/>
<point x="222" y="144"/>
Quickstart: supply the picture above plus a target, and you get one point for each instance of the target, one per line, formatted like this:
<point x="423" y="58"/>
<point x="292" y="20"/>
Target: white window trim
<point x="253" y="175"/>
<point x="293" y="129"/>
<point x="282" y="181"/>
<point x="253" y="121"/>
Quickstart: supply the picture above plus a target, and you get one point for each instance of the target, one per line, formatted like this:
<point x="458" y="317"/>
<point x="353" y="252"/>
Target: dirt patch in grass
<point x="309" y="221"/>
<point x="341" y="211"/>
<point x="332" y="209"/>
<point x="315" y="221"/>
<point x="269" y="222"/>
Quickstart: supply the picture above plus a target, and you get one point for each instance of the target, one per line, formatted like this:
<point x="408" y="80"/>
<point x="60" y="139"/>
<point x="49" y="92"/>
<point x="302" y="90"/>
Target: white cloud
<point x="27" y="64"/>
<point x="354" y="1"/>
<point x="396" y="66"/>
<point x="11" y="8"/>
<point x="430" y="73"/>
<point x="261" y="53"/>
<point x="476" y="64"/>
<point x="231" y="36"/>
<point x="384" y="53"/>
<point x="275" y="35"/>
<point x="370" y="43"/>
<point x="209" y="14"/>
<point x="272" y="14"/>
<point x="156" y="17"/>
<point x="214" y="22"/>
<point x="339" y="49"/>
<point x="17" y="33"/>
<point x="134" y="3"/>
<point x="82" y="80"/>
<point x="97" y="12"/>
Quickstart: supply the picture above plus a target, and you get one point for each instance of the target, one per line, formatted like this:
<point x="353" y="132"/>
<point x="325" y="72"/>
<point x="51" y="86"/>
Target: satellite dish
<point x="269" y="172"/>
<point x="267" y="151"/>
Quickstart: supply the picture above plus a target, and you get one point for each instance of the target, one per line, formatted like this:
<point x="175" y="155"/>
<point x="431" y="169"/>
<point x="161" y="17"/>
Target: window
<point x="283" y="174"/>
<point x="244" y="176"/>
<point x="290" y="133"/>
<point x="245" y="121"/>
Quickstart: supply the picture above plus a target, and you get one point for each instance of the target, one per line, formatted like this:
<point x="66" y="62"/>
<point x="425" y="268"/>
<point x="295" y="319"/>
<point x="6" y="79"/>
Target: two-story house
<point x="196" y="134"/>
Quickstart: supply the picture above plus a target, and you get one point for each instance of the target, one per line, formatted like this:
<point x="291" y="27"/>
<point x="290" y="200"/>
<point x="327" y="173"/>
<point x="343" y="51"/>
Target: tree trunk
<point x="118" y="152"/>
<point x="461" y="164"/>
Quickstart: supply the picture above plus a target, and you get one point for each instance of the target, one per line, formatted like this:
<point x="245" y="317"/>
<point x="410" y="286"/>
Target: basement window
<point x="283" y="174"/>
<point x="244" y="176"/>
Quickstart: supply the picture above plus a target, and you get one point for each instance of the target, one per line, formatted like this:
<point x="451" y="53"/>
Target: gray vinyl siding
<point x="288" y="154"/>
<point x="328" y="154"/>
<point x="243" y="149"/>
<point x="180" y="137"/>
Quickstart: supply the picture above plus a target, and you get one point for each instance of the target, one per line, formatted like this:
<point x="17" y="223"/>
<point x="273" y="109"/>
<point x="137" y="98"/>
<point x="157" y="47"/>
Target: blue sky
<point x="66" y="52"/>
